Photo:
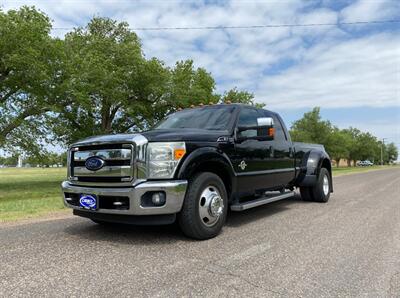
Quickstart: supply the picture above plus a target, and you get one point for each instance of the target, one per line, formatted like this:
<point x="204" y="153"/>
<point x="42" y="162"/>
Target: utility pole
<point x="382" y="144"/>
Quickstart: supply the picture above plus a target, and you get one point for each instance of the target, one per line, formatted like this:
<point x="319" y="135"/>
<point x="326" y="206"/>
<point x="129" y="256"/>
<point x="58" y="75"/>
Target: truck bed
<point x="299" y="146"/>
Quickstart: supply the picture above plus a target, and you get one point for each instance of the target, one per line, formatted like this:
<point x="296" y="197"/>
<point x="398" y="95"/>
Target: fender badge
<point x="242" y="165"/>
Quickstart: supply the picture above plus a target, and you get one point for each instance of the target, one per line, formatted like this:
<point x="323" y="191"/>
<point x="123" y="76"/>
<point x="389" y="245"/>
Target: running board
<point x="261" y="201"/>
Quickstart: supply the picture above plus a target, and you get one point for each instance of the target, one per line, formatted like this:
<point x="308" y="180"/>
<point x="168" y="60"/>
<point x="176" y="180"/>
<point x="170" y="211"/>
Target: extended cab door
<point x="282" y="152"/>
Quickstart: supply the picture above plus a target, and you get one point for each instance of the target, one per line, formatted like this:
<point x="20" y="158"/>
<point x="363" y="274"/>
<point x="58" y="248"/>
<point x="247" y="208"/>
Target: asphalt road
<point x="347" y="247"/>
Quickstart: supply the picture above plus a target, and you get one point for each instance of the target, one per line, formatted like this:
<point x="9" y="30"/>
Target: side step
<point x="262" y="201"/>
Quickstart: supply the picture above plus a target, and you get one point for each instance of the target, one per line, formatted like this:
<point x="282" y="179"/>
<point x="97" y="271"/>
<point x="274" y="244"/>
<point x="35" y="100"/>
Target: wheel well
<point x="218" y="169"/>
<point x="327" y="164"/>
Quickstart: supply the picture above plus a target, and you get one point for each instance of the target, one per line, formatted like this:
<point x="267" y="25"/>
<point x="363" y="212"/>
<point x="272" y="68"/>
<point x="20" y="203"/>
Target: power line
<point x="251" y="26"/>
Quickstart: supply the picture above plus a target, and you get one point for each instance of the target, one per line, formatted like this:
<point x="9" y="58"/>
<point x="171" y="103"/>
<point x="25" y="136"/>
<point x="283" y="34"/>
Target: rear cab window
<point x="280" y="135"/>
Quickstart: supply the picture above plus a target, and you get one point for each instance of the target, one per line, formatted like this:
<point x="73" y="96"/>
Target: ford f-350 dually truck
<point x="192" y="167"/>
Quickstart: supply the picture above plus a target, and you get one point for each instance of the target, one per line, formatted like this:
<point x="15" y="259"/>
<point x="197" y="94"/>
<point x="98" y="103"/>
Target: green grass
<point x="30" y="192"/>
<point x="352" y="170"/>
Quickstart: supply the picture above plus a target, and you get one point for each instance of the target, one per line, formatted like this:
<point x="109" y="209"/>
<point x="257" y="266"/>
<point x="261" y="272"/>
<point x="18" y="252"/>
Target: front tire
<point x="321" y="191"/>
<point x="205" y="207"/>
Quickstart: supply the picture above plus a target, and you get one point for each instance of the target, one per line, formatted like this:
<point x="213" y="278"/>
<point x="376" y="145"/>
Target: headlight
<point x="163" y="159"/>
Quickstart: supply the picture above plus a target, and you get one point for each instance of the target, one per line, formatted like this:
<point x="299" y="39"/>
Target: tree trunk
<point x="18" y="120"/>
<point x="107" y="117"/>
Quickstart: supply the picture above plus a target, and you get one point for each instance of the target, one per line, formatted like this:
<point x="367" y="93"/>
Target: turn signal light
<point x="271" y="132"/>
<point x="179" y="153"/>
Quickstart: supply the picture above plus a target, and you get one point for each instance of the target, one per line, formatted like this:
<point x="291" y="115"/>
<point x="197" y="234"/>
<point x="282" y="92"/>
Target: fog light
<point x="158" y="198"/>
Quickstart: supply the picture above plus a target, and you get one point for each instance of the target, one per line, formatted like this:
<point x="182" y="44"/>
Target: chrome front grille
<point x="118" y="163"/>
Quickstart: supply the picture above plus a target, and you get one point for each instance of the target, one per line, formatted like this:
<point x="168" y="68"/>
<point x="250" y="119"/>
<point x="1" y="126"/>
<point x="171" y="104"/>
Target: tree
<point x="350" y="144"/>
<point x="236" y="96"/>
<point x="95" y="81"/>
<point x="190" y="86"/>
<point x="29" y="73"/>
<point x="110" y="87"/>
<point x="46" y="159"/>
<point x="311" y="129"/>
<point x="339" y="145"/>
<point x="366" y="145"/>
<point x="353" y="152"/>
<point x="103" y="66"/>
<point x="9" y="161"/>
<point x="391" y="153"/>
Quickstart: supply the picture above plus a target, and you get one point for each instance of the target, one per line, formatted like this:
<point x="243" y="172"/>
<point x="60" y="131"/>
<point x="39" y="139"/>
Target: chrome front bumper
<point x="175" y="194"/>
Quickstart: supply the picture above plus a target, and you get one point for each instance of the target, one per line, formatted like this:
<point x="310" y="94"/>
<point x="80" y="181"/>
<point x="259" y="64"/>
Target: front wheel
<point x="321" y="191"/>
<point x="205" y="207"/>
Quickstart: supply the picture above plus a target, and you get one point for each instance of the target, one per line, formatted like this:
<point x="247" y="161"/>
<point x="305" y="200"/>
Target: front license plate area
<point x="88" y="201"/>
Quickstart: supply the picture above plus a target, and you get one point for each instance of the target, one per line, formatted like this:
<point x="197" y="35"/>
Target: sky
<point x="351" y="71"/>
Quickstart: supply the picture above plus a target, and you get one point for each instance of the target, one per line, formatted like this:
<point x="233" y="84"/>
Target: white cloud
<point x="304" y="66"/>
<point x="357" y="72"/>
<point x="371" y="10"/>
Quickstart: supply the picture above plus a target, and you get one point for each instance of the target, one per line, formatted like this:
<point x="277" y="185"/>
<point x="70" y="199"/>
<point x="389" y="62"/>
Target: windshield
<point x="210" y="118"/>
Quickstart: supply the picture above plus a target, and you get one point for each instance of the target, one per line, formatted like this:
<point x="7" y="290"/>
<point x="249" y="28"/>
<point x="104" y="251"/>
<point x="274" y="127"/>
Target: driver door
<point x="253" y="157"/>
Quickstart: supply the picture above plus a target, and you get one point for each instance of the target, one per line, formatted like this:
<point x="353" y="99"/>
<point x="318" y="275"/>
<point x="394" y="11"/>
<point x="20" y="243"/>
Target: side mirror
<point x="264" y="130"/>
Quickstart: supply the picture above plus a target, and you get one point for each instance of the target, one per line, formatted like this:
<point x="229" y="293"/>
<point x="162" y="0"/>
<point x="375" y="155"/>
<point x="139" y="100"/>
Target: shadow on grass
<point x="142" y="235"/>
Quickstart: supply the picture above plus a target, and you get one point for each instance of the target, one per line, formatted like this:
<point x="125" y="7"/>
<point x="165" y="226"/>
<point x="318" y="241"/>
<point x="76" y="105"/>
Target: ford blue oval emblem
<point x="88" y="201"/>
<point x="94" y="163"/>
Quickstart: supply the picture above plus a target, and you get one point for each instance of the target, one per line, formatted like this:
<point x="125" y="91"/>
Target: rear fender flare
<point x="310" y="167"/>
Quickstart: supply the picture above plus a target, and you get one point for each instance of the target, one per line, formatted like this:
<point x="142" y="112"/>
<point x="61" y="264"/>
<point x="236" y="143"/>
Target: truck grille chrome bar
<point x="118" y="165"/>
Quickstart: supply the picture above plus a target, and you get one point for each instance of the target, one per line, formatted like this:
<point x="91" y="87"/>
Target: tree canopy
<point x="29" y="71"/>
<point x="350" y="144"/>
<point x="96" y="80"/>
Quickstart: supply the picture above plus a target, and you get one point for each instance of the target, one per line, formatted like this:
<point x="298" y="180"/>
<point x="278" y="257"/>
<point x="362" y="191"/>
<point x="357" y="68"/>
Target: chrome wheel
<point x="325" y="185"/>
<point x="211" y="206"/>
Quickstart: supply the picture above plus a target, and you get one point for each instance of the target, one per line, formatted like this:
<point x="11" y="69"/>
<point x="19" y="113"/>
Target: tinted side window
<point x="279" y="133"/>
<point x="248" y="118"/>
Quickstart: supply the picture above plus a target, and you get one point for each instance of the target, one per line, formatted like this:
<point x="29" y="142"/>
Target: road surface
<point x="348" y="247"/>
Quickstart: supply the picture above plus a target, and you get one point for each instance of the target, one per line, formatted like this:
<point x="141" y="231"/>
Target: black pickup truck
<point x="192" y="167"/>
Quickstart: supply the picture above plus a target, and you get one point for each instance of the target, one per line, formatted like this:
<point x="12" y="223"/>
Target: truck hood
<point x="202" y="135"/>
<point x="110" y="139"/>
<point x="157" y="135"/>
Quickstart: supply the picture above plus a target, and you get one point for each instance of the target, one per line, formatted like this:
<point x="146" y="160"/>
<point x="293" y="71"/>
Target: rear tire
<point x="321" y="191"/>
<point x="205" y="207"/>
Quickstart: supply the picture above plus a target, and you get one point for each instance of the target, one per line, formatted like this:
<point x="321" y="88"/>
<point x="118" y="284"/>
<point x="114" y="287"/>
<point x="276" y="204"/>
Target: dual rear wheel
<point x="321" y="191"/>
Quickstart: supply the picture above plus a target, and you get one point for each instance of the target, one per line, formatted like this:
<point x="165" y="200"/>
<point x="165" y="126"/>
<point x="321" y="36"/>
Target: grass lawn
<point x="31" y="192"/>
<point x="352" y="170"/>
